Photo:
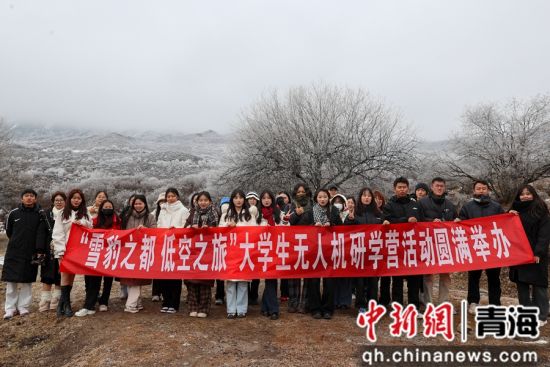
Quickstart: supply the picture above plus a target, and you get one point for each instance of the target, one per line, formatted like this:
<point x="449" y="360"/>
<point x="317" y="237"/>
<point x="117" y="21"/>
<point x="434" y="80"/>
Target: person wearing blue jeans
<point x="236" y="298"/>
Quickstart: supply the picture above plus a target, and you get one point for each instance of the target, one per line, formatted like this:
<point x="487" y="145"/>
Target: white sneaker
<point x="472" y="308"/>
<point x="542" y="323"/>
<point x="171" y="310"/>
<point x="9" y="314"/>
<point x="103" y="308"/>
<point x="84" y="312"/>
<point x="155" y="298"/>
<point x="193" y="314"/>
<point x="201" y="315"/>
<point x="131" y="309"/>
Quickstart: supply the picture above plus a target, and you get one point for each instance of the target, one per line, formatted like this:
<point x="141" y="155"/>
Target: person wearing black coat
<point x="401" y="208"/>
<point x="49" y="270"/>
<point x="437" y="208"/>
<point x="18" y="270"/>
<point x="532" y="279"/>
<point x="323" y="214"/>
<point x="300" y="214"/>
<point x="480" y="206"/>
<point x="365" y="212"/>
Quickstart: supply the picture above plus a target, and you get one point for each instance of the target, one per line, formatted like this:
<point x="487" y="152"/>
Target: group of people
<point x="38" y="238"/>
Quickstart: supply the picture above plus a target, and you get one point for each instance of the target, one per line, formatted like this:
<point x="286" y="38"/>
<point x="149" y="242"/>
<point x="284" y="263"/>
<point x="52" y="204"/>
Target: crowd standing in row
<point x="38" y="238"/>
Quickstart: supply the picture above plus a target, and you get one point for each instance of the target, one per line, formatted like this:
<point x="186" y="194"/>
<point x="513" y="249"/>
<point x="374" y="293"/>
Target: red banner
<point x="300" y="251"/>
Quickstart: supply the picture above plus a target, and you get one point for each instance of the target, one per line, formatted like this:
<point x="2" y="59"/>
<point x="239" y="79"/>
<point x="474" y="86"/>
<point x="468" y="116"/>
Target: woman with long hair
<point x="138" y="217"/>
<point x="173" y="214"/>
<point x="199" y="291"/>
<point x="271" y="216"/>
<point x="75" y="212"/>
<point x="321" y="305"/>
<point x="532" y="279"/>
<point x="366" y="212"/>
<point x="300" y="213"/>
<point x="49" y="271"/>
<point x="106" y="219"/>
<point x="238" y="214"/>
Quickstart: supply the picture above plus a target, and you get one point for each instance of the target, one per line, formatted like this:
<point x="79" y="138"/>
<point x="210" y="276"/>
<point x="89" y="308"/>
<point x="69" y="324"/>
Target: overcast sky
<point x="192" y="66"/>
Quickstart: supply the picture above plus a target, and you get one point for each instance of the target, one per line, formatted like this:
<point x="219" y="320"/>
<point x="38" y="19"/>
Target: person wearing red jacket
<point x="106" y="219"/>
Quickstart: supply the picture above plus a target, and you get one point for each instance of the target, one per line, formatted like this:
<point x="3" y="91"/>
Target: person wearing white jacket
<point x="173" y="214"/>
<point x="74" y="212"/>
<point x="239" y="214"/>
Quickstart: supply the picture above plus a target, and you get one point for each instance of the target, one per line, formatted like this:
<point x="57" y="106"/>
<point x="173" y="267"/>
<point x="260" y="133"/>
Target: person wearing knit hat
<point x="29" y="191"/>
<point x="421" y="190"/>
<point x="252" y="194"/>
<point x="254" y="200"/>
<point x="161" y="198"/>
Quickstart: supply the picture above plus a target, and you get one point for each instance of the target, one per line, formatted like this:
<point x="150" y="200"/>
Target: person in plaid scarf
<point x="199" y="291"/>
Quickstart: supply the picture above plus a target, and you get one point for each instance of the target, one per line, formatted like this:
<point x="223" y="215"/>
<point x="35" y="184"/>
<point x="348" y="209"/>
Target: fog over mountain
<point x="56" y="156"/>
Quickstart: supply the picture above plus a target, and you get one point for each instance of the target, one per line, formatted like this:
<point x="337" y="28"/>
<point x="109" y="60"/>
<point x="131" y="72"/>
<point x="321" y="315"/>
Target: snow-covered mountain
<point x="57" y="157"/>
<point x="51" y="158"/>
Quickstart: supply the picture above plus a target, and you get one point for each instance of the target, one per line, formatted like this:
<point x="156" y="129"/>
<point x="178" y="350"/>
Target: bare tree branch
<point x="321" y="135"/>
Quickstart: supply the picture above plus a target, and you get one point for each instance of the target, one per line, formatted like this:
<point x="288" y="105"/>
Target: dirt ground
<point x="149" y="338"/>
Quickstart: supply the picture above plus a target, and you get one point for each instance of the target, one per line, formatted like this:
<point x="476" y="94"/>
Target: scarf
<point x="439" y="200"/>
<point x="267" y="214"/>
<point x="302" y="202"/>
<point x="482" y="200"/>
<point x="172" y="208"/>
<point x="205" y="217"/>
<point x="521" y="206"/>
<point x="56" y="212"/>
<point x="320" y="214"/>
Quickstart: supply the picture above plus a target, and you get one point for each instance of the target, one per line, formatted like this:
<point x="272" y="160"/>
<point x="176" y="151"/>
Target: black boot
<point x="62" y="301"/>
<point x="64" y="307"/>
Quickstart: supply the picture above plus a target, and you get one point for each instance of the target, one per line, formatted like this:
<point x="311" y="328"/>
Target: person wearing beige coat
<point x="138" y="217"/>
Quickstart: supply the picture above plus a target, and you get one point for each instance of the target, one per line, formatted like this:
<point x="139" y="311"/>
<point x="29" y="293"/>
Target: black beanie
<point x="29" y="191"/>
<point x="423" y="186"/>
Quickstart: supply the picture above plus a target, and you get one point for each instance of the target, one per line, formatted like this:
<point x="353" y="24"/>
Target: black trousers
<point x="284" y="288"/>
<point x="385" y="295"/>
<point x="253" y="287"/>
<point x="493" y="280"/>
<point x="413" y="289"/>
<point x="171" y="292"/>
<point x="93" y="286"/>
<point x="532" y="295"/>
<point x="365" y="290"/>
<point x="156" y="289"/>
<point x="220" y="289"/>
<point x="270" y="303"/>
<point x="320" y="303"/>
